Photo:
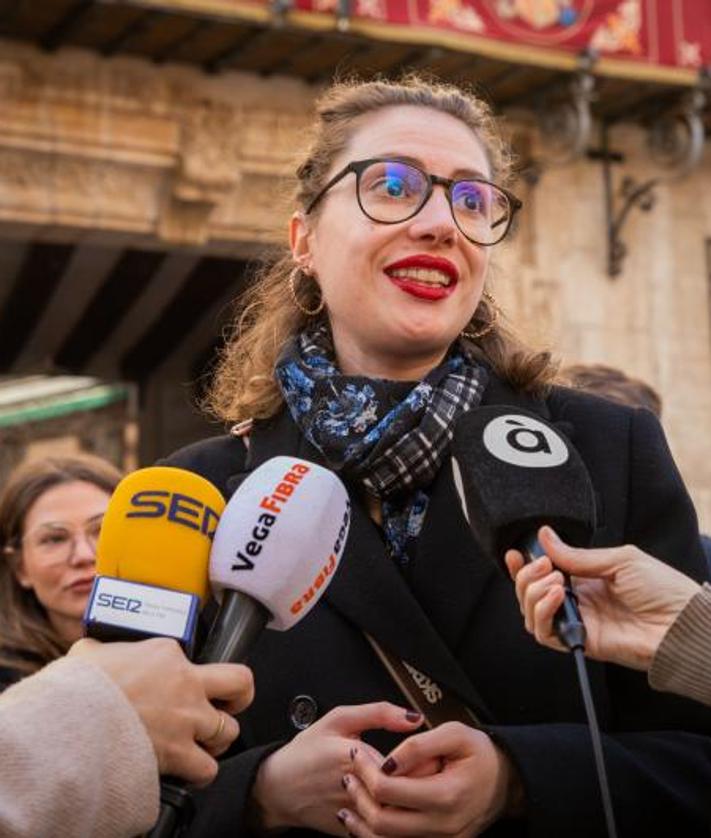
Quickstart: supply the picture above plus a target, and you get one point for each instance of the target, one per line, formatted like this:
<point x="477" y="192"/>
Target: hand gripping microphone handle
<point x="513" y="473"/>
<point x="568" y="621"/>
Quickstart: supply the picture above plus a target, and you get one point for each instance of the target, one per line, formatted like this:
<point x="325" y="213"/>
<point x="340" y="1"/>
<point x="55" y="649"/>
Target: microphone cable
<point x="571" y="632"/>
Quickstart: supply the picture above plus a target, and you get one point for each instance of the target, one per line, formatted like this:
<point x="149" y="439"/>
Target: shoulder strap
<point x="436" y="703"/>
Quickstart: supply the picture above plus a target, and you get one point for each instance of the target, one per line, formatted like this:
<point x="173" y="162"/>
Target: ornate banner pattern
<point x="661" y="34"/>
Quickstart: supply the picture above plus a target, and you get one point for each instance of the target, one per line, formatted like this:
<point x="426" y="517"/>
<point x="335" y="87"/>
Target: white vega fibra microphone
<point x="277" y="545"/>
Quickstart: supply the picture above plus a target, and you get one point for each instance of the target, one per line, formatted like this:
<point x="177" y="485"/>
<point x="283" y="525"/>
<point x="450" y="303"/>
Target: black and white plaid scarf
<point x="389" y="435"/>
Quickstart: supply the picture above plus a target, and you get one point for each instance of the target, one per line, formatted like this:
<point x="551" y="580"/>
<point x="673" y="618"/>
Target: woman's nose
<point x="83" y="551"/>
<point x="434" y="222"/>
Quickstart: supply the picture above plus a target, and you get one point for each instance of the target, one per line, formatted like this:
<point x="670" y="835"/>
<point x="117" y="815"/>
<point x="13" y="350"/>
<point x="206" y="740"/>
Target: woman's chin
<point x="426" y="341"/>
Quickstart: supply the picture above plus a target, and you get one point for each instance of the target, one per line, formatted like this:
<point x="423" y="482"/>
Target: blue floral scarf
<point x="391" y="436"/>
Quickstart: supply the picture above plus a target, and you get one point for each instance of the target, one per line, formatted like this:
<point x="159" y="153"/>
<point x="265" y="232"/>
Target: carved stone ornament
<point x="121" y="145"/>
<point x="676" y="139"/>
<point x="565" y="122"/>
<point x="208" y="170"/>
<point x="210" y="147"/>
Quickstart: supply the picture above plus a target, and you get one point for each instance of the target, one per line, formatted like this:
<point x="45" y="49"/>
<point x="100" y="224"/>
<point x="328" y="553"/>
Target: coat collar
<point x="370" y="591"/>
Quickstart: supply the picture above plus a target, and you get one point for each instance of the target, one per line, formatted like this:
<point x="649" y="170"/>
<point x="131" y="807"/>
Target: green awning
<point x="40" y="398"/>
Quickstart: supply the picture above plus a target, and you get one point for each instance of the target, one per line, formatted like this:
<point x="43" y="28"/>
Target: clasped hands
<point x="452" y="780"/>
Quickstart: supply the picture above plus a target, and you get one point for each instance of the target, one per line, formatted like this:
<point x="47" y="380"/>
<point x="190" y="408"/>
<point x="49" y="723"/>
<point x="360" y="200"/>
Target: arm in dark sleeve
<point x="222" y="807"/>
<point x="657" y="747"/>
<point x="217" y="459"/>
<point x="659" y="781"/>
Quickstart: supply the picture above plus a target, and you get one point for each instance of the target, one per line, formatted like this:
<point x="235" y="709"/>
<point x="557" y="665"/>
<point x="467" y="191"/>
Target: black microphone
<point x="514" y="473"/>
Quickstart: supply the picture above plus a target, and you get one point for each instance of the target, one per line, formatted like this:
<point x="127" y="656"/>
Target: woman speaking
<point x="360" y="349"/>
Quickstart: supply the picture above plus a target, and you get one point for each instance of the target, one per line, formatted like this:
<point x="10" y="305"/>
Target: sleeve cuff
<point x="682" y="663"/>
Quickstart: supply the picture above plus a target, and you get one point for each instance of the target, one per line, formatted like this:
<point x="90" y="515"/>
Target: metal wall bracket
<point x="676" y="143"/>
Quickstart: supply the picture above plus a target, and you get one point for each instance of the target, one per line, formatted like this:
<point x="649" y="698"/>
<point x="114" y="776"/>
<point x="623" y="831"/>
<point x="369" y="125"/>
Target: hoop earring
<point x="496" y="312"/>
<point x="302" y="308"/>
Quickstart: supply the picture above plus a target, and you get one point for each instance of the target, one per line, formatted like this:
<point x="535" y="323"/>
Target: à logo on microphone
<point x="524" y="441"/>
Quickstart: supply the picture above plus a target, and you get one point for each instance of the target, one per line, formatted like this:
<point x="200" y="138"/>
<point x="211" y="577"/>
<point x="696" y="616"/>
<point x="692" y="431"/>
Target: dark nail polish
<point x="353" y="752"/>
<point x="389" y="766"/>
<point x="413" y="716"/>
<point x="341" y="817"/>
<point x="345" y="780"/>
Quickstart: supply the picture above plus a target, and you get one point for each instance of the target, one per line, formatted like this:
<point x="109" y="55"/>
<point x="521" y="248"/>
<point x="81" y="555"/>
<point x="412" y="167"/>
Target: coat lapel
<point x="420" y="623"/>
<point x="368" y="589"/>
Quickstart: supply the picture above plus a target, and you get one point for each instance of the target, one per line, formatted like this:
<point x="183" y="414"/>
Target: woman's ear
<point x="300" y="240"/>
<point x="23" y="580"/>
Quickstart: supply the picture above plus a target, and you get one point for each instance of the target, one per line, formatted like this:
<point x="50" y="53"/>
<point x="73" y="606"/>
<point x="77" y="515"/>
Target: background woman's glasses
<point x="58" y="542"/>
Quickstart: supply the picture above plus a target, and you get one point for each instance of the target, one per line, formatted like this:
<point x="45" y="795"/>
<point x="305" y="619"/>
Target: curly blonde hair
<point x="244" y="385"/>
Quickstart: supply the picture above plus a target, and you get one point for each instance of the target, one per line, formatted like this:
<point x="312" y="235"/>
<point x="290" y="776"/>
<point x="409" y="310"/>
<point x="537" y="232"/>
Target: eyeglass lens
<point x="57" y="542"/>
<point x="391" y="191"/>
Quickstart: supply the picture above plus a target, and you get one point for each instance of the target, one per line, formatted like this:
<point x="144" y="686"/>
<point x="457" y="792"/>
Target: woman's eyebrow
<point x="414" y="161"/>
<point x="475" y="174"/>
<point x="98" y="516"/>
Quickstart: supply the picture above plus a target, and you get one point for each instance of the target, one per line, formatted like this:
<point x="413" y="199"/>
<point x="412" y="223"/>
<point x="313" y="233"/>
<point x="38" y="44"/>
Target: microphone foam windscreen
<point x="281" y="537"/>
<point x="516" y="473"/>
<point x="158" y="530"/>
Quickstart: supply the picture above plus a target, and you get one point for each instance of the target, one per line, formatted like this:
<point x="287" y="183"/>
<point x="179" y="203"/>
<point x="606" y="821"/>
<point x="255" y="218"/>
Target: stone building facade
<point x="118" y="152"/>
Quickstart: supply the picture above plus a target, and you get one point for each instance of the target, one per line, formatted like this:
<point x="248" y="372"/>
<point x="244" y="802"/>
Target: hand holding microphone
<point x="627" y="598"/>
<point x="173" y="700"/>
<point x="514" y="473"/>
<point x="152" y="562"/>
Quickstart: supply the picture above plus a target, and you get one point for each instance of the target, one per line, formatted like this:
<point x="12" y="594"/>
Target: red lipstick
<point x="408" y="281"/>
<point x="82" y="586"/>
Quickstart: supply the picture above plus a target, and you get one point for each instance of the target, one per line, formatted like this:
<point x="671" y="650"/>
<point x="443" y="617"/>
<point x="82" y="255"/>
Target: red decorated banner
<point x="671" y="34"/>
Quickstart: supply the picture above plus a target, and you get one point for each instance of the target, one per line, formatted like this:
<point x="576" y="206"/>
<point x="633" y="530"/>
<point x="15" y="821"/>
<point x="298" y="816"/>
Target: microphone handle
<point x="568" y="622"/>
<point x="176" y="809"/>
<point x="238" y="623"/>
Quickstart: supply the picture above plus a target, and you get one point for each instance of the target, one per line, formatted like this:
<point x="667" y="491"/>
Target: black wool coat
<point x="455" y="618"/>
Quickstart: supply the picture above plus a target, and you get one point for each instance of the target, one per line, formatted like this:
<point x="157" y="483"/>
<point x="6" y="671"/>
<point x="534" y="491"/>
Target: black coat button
<point x="303" y="711"/>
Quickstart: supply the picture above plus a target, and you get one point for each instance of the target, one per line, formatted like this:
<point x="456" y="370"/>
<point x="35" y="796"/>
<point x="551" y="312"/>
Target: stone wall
<point x="652" y="321"/>
<point x="118" y="147"/>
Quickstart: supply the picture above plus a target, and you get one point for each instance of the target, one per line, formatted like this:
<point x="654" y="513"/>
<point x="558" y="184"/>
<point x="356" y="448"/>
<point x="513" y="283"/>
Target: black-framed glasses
<point x="390" y="191"/>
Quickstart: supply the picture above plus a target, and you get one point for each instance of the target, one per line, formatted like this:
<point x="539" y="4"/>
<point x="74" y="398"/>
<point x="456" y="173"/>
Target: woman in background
<point x="50" y="517"/>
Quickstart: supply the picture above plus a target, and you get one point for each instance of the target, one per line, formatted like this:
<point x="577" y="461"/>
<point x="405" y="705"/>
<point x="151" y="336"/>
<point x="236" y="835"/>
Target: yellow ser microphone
<point x="153" y="556"/>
